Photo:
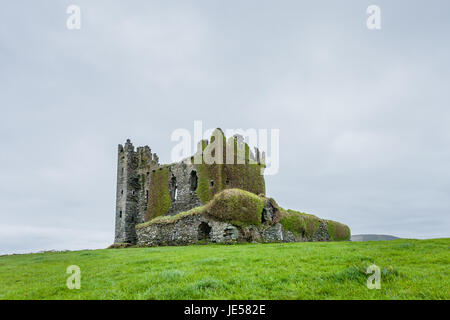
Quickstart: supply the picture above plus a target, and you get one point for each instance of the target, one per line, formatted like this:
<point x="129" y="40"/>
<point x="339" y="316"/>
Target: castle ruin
<point x="193" y="200"/>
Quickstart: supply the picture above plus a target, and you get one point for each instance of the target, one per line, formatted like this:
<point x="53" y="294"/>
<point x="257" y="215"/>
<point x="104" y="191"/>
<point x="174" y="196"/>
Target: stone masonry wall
<point x="183" y="186"/>
<point x="188" y="230"/>
<point x="198" y="228"/>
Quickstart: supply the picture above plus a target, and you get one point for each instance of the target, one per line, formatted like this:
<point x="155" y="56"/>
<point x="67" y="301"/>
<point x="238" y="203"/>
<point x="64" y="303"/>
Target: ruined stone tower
<point x="133" y="172"/>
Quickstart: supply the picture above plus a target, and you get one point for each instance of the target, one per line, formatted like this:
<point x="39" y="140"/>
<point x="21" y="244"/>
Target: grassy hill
<point x="410" y="269"/>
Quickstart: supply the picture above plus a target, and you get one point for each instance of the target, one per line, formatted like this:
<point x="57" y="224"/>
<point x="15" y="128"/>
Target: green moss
<point x="300" y="224"/>
<point x="338" y="231"/>
<point x="293" y="223"/>
<point x="171" y="219"/>
<point x="159" y="195"/>
<point x="242" y="173"/>
<point x="209" y="181"/>
<point x="305" y="225"/>
<point x="237" y="207"/>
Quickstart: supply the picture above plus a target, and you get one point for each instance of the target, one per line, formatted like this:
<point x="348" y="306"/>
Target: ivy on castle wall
<point x="242" y="173"/>
<point x="209" y="181"/>
<point x="159" y="195"/>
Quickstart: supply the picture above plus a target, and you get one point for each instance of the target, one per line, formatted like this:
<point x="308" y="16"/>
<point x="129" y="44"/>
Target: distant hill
<point x="372" y="237"/>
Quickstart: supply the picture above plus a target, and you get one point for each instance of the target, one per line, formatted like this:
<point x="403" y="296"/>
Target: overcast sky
<point x="363" y="114"/>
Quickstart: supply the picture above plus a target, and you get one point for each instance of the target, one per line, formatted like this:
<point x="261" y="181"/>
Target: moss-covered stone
<point x="159" y="195"/>
<point x="299" y="223"/>
<point x="172" y="219"/>
<point x="338" y="231"/>
<point x="237" y="207"/>
<point x="305" y="225"/>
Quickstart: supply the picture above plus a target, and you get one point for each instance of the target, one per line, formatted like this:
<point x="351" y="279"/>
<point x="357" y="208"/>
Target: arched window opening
<point x="173" y="188"/>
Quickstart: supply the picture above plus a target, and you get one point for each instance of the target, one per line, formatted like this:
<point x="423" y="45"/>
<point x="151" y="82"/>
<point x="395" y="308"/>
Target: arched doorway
<point x="204" y="231"/>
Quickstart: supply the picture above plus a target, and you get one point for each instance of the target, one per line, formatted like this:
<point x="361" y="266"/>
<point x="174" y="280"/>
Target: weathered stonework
<point x="133" y="171"/>
<point x="198" y="228"/>
<point x="189" y="230"/>
<point x="183" y="186"/>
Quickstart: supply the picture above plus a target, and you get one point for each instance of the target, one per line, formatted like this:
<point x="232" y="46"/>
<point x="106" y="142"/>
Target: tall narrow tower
<point x="127" y="194"/>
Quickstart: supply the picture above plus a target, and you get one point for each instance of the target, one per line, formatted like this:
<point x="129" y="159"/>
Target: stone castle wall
<point x="134" y="170"/>
<point x="183" y="186"/>
<point x="196" y="229"/>
<point x="199" y="227"/>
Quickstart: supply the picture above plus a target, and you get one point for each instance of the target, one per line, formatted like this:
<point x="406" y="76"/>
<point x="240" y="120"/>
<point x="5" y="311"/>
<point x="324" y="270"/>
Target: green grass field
<point x="410" y="269"/>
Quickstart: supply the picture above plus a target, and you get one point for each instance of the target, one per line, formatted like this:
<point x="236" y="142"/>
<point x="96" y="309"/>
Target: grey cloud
<point x="363" y="115"/>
